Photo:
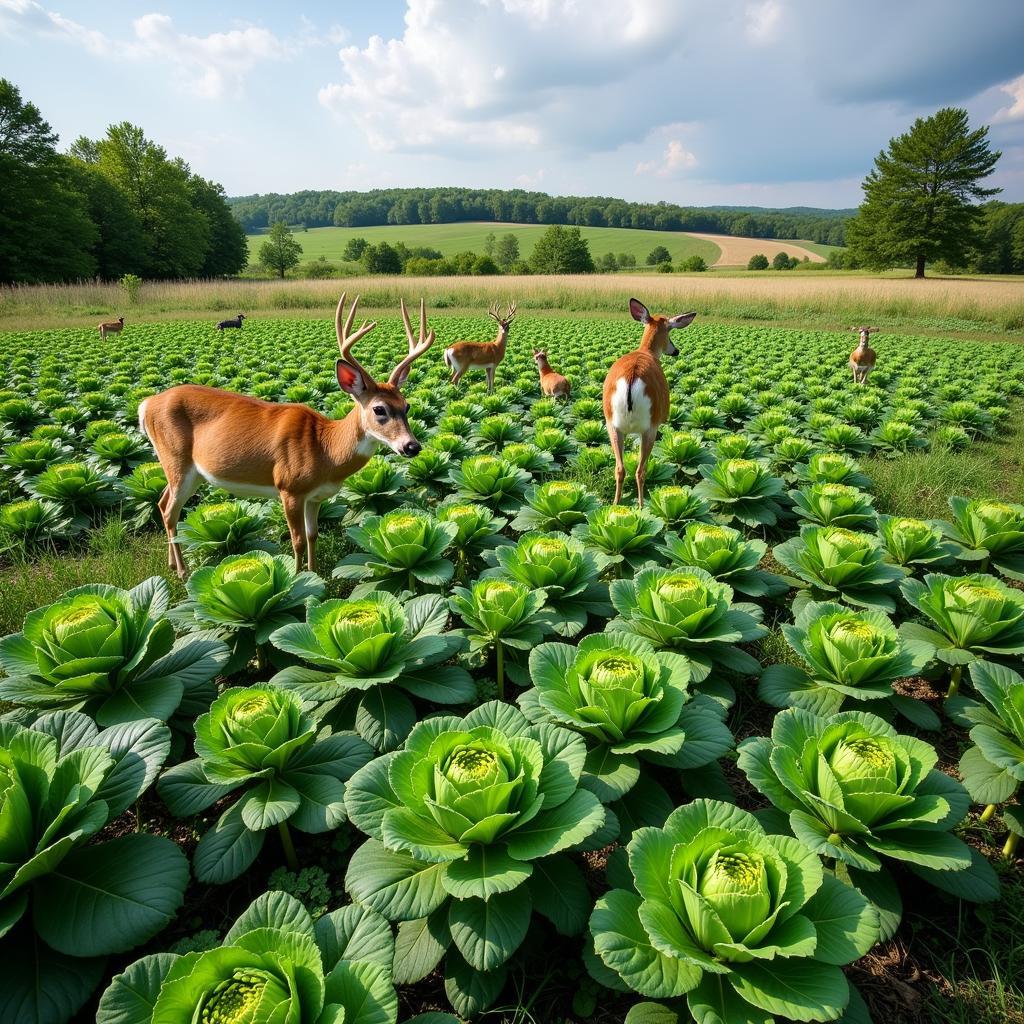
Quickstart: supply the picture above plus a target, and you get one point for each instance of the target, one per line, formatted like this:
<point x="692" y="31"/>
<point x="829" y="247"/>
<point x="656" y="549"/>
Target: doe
<point x="111" y="327"/>
<point x="862" y="358"/>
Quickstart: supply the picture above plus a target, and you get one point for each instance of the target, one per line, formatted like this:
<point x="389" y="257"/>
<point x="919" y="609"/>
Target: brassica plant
<point x="684" y="451"/>
<point x="990" y="533"/>
<point x="466" y="824"/>
<point x="833" y="468"/>
<point x="747" y="926"/>
<point x="676" y="506"/>
<point x="492" y="480"/>
<point x="66" y="902"/>
<point x="914" y="544"/>
<point x="557" y="505"/>
<point x="478" y="530"/>
<point x="108" y="652"/>
<point x="626" y="536"/>
<point x="81" y="490"/>
<point x="833" y="505"/>
<point x="369" y="657"/>
<point x="211" y="531"/>
<point x="143" y="488"/>
<point x="743" y="489"/>
<point x="402" y="553"/>
<point x="724" y="554"/>
<point x="260" y="737"/>
<point x="32" y="523"/>
<point x="373" y="490"/>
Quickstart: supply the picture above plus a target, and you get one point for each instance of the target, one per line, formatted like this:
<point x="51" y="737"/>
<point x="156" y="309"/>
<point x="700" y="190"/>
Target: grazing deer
<point x="465" y="355"/>
<point x="111" y="327"/>
<point x="551" y="383"/>
<point x="862" y="358"/>
<point x="235" y="322"/>
<point x="636" y="396"/>
<point x="267" y="449"/>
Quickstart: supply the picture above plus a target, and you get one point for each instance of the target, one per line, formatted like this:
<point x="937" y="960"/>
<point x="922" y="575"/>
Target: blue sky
<point x="740" y="102"/>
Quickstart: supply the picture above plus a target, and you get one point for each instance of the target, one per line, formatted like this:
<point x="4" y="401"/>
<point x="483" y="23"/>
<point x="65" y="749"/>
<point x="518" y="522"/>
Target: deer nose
<point x="411" y="448"/>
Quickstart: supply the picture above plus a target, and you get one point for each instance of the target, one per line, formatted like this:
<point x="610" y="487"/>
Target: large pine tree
<point x="920" y="198"/>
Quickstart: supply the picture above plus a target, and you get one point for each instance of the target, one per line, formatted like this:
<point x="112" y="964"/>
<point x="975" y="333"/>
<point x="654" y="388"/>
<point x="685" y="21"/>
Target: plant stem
<point x="954" y="681"/>
<point x="261" y="659"/>
<point x="1012" y="841"/>
<point x="288" y="846"/>
<point x="988" y="812"/>
<point x="500" y="656"/>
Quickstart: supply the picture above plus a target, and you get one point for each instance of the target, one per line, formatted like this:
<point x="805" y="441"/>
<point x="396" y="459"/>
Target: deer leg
<point x="490" y="379"/>
<point x="180" y="487"/>
<point x="646" y="444"/>
<point x="294" y="513"/>
<point x="618" y="444"/>
<point x="311" y="515"/>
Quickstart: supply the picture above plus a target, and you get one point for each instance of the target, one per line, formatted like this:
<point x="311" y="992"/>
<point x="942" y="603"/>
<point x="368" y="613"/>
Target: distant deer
<point x="465" y="355"/>
<point x="235" y="322"/>
<point x="862" y="358"/>
<point x="551" y="383"/>
<point x="636" y="395"/>
<point x="111" y="327"/>
<point x="269" y="449"/>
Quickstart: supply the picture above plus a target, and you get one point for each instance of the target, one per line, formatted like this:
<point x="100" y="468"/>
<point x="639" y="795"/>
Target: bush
<point x="130" y="285"/>
<point x="664" y="268"/>
<point x="694" y="265"/>
<point x="758" y="262"/>
<point x="354" y="249"/>
<point x="381" y="259"/>
<point x="485" y="267"/>
<point x="782" y="261"/>
<point x="318" y="269"/>
<point x="659" y="254"/>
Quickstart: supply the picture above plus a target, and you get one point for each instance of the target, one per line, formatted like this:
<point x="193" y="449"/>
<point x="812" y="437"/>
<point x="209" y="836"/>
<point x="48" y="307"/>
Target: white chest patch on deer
<point x="631" y="409"/>
<point x="367" y="446"/>
<point x="239" y="489"/>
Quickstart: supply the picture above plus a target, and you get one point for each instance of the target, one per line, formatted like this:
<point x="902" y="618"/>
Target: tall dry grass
<point x="953" y="303"/>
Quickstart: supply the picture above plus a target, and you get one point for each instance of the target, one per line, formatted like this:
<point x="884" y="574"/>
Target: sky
<point x="717" y="102"/>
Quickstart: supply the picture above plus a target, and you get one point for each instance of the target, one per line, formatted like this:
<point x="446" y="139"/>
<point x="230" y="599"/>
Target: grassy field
<point x="812" y="298"/>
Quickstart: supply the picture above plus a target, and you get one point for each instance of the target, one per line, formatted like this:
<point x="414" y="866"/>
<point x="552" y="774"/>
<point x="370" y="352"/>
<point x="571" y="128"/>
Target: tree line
<point x="108" y="207"/>
<point x="449" y="205"/>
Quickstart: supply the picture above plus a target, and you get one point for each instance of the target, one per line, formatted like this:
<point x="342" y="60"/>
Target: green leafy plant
<point x="67" y="902"/>
<point x="468" y="827"/>
<point x="120" y="452"/>
<point x="260" y="738"/>
<point x="478" y="530"/>
<point x="914" y="544"/>
<point x="80" y="489"/>
<point x="746" y="925"/>
<point x="742" y="489"/>
<point x="990" y="532"/>
<point x="212" y="531"/>
<point x="676" y="506"/>
<point x="557" y="505"/>
<point x="373" y="490"/>
<point x="832" y="468"/>
<point x="626" y="536"/>
<point x="369" y="657"/>
<point x="492" y="480"/>
<point x="833" y="505"/>
<point x="32" y="523"/>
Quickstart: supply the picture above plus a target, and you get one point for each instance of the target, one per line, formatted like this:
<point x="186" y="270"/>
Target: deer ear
<point x="638" y="311"/>
<point x="683" y="320"/>
<point x="350" y="380"/>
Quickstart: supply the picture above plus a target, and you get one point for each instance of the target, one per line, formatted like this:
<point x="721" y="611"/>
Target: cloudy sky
<point x="740" y="102"/>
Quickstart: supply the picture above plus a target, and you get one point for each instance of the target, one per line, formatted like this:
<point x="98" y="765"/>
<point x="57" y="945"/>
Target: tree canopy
<point x="280" y="252"/>
<point x="561" y="250"/>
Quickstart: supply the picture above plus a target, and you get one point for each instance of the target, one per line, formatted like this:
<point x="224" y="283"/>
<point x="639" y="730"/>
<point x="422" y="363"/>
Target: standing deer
<point x="235" y="321"/>
<point x="111" y="327"/>
<point x="862" y="358"/>
<point x="551" y="383"/>
<point x="465" y="355"/>
<point x="636" y="396"/>
<point x="267" y="449"/>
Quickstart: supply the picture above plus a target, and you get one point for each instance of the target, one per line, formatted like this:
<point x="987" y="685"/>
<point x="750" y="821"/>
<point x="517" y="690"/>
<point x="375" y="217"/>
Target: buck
<point x="111" y="327"/>
<point x="254" y="448"/>
<point x="862" y="358"/>
<point x="465" y="355"/>
<point x="551" y="383"/>
<point x="636" y="396"/>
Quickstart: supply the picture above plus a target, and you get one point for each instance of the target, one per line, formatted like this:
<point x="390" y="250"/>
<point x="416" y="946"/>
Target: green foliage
<point x="561" y="250"/>
<point x="989" y="532"/>
<point x="280" y="252"/>
<point x="758" y="262"/>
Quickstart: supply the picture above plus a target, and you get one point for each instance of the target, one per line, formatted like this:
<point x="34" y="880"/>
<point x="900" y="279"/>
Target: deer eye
<point x="380" y="411"/>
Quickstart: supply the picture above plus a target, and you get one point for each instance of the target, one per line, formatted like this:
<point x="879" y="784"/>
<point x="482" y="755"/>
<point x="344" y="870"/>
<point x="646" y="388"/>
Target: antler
<point x="346" y="340"/>
<point x="493" y="311"/>
<point x="416" y="348"/>
<point x="511" y="312"/>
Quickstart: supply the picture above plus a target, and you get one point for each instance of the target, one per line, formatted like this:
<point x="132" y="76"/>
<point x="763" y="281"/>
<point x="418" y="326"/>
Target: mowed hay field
<point x="736" y="252"/>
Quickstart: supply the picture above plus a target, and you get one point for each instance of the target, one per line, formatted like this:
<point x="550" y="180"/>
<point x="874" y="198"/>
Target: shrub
<point x="758" y="262"/>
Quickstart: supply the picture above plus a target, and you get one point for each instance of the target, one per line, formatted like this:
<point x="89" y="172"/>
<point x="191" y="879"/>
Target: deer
<point x="464" y="355"/>
<point x="636" y="395"/>
<point x="862" y="358"/>
<point x="234" y="322"/>
<point x="254" y="448"/>
<point x="551" y="383"/>
<point x="111" y="327"/>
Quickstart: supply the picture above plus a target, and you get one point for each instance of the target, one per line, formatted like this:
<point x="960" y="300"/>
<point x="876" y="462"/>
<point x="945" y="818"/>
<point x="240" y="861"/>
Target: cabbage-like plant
<point x="428" y="472"/>
<point x="32" y="523"/>
<point x="746" y="925"/>
<point x="833" y="468"/>
<point x="914" y="544"/>
<point x="833" y="563"/>
<point x="120" y="452"/>
<point x="478" y="530"/>
<point x="467" y="823"/>
<point x="456" y="446"/>
<point x="245" y="598"/>
<point x="565" y="570"/>
<point x="402" y="552"/>
<point x="968" y="416"/>
<point x="993" y="766"/>
<point x="990" y="533"/>
<point x="675" y="506"/>
<point x="737" y="446"/>
<point x="500" y="613"/>
<point x="590" y="432"/>
<point x="833" y="505"/>
<point x="67" y="902"/>
<point x="723" y="553"/>
<point x="968" y="618"/>
<point x="79" y="488"/>
<point x="790" y="456"/>
<point x="688" y="610"/>
<point x="211" y="531"/>
<point x="557" y="505"/>
<point x="856" y="790"/>
<point x="143" y="488"/>
<point x="897" y="437"/>
<point x="632" y="704"/>
<point x="108" y="652"/>
<point x="369" y="657"/>
<point x="555" y="441"/>
<point x="492" y="480"/>
<point x="29" y="458"/>
<point x="845" y="437"/>
<point x="528" y="457"/>
<point x="626" y="536"/>
<point x="951" y="438"/>
<point x="684" y="450"/>
<point x="373" y="490"/>
<point x="274" y="964"/>
<point x="494" y="432"/>
<point x="259" y="737"/>
<point x="742" y="489"/>
<point x="847" y="656"/>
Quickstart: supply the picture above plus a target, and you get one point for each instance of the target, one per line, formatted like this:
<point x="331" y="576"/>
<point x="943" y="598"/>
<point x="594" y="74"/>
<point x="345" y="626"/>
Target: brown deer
<point x="636" y="395"/>
<point x="465" y="355"/>
<point x="551" y="383"/>
<point x="862" y="358"/>
<point x="111" y="327"/>
<point x="268" y="449"/>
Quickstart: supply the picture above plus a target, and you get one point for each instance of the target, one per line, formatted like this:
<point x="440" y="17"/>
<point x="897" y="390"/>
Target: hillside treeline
<point x="112" y="206"/>
<point x="449" y="205"/>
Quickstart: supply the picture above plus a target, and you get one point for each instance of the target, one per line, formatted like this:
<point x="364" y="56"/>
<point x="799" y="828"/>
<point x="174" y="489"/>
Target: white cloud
<point x="1015" y="111"/>
<point x="674" y="160"/>
<point x="763" y="21"/>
